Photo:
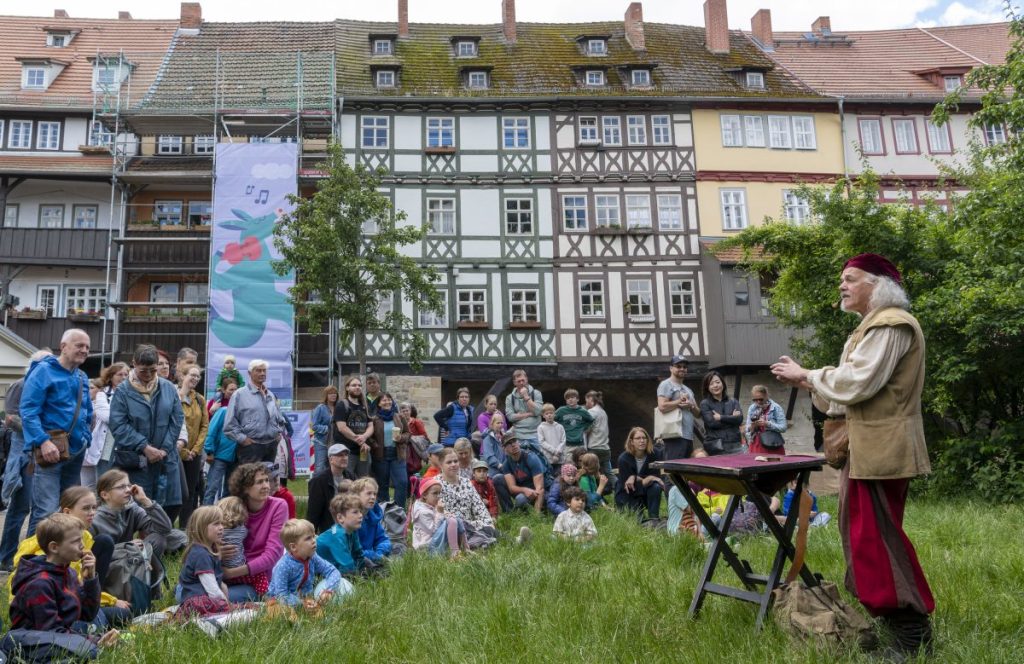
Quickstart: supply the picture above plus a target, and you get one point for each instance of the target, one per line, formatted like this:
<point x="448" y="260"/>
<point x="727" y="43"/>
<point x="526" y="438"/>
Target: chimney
<point x="508" y="20"/>
<point x="191" y="16"/>
<point x="761" y="27"/>
<point x="403" y="18"/>
<point x="124" y="16"/>
<point x="59" y="13"/>
<point x="635" y="26"/>
<point x="823" y="26"/>
<point x="716" y="26"/>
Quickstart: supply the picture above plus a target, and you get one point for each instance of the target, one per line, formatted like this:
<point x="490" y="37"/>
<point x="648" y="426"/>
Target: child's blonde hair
<point x="590" y="464"/>
<point x="295" y="529"/>
<point x="233" y="511"/>
<point x="364" y="482"/>
<point x="200" y="523"/>
<point x="55" y="528"/>
<point x="547" y="408"/>
<point x="229" y="358"/>
<point x="343" y="502"/>
<point x="462" y="444"/>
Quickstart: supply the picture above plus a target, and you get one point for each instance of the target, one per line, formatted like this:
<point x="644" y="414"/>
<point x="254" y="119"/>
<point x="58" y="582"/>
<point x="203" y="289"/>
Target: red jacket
<point x="488" y="495"/>
<point x="48" y="597"/>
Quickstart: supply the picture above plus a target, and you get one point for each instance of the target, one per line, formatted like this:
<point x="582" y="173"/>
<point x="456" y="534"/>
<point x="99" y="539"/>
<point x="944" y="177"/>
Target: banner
<point x="302" y="441"/>
<point x="250" y="316"/>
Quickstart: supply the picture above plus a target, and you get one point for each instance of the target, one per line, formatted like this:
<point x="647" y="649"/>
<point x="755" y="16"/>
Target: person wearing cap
<point x="433" y="460"/>
<point x="877" y="387"/>
<point x="278" y="488"/>
<point x="673" y="394"/>
<point x="524" y="474"/>
<point x="324" y="485"/>
<point x="485" y="487"/>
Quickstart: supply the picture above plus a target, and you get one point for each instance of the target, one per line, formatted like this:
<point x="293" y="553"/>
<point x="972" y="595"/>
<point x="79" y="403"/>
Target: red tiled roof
<point x="143" y="42"/>
<point x="63" y="165"/>
<point x="732" y="255"/>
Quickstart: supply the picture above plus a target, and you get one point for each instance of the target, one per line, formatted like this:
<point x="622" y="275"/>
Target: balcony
<point x="47" y="331"/>
<point x="68" y="247"/>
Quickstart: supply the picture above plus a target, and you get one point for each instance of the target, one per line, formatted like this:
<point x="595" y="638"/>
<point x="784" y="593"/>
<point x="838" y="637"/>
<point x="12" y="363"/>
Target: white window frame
<point x="780" y="133"/>
<point x="168" y="144"/>
<point x="105" y="76"/>
<point x="795" y="208"/>
<point x="640" y="78"/>
<point x="952" y="83"/>
<point x="804" y="137"/>
<point x="168" y="212"/>
<point x="638" y="211"/>
<point x="640" y="299"/>
<point x="31" y="72"/>
<point x="383" y="47"/>
<point x="385" y="78"/>
<point x="99" y="136"/>
<point x="877" y="134"/>
<point x="173" y="294"/>
<point x="47" y="135"/>
<point x="733" y="206"/>
<point x="904" y="136"/>
<point x="471" y="305"/>
<point x="575" y="204"/>
<point x="429" y="319"/>
<point x="587" y="129"/>
<point x="48" y="221"/>
<point x="524" y="305"/>
<point x="611" y="130"/>
<point x="597" y="47"/>
<point x="477" y="80"/>
<point x="682" y="302"/>
<point x="753" y="131"/>
<point x="594" y="78"/>
<point x="661" y="130"/>
<point x="940" y="139"/>
<point x="441" y="132"/>
<point x="995" y="134"/>
<point x="591" y="298"/>
<point x="465" y="49"/>
<point x="755" y="80"/>
<point x="670" y="212"/>
<point x="519" y="219"/>
<point x="607" y="211"/>
<point x="636" y="126"/>
<point x="732" y="130"/>
<point x="441" y="215"/>
<point x="379" y="128"/>
<point x="3" y="126"/>
<point x="76" y="222"/>
<point x="48" y="299"/>
<point x="204" y="143"/>
<point x="385" y="306"/>
<point x="11" y="213"/>
<point x="20" y="131"/>
<point x="515" y="133"/>
<point x="204" y="218"/>
<point x="58" y="39"/>
<point x="91" y="297"/>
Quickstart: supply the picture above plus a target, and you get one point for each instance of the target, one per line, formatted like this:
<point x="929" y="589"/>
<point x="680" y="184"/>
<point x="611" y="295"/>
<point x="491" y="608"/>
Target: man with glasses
<point x="673" y="394"/>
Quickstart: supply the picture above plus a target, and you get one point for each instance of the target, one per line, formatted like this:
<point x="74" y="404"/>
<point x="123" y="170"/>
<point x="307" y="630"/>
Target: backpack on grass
<point x="31" y="645"/>
<point x="135" y="575"/>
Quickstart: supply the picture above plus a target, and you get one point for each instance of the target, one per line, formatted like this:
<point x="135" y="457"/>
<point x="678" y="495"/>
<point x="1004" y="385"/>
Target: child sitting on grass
<point x="574" y="523"/>
<point x="431" y="529"/>
<point x="202" y="578"/>
<point x="291" y="582"/>
<point x="591" y="481"/>
<point x="233" y="516"/>
<point x="485" y="487"/>
<point x="339" y="544"/>
<point x="373" y="537"/>
<point x="555" y="498"/>
<point x="229" y="371"/>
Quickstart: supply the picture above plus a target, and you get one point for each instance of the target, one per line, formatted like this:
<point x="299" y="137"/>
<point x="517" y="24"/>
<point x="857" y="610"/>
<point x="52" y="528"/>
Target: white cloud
<point x="271" y="171"/>
<point x="958" y="13"/>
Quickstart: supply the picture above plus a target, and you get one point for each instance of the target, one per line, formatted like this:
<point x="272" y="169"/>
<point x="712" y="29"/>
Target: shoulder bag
<point x="837" y="442"/>
<point x="59" y="437"/>
<point x="668" y="425"/>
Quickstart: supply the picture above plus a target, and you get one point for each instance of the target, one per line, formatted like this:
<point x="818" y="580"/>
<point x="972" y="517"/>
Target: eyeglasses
<point x="758" y="400"/>
<point x="122" y="487"/>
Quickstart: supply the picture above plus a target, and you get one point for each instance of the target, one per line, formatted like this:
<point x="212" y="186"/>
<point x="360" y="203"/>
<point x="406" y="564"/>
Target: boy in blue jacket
<point x="220" y="454"/>
<point x="339" y="544"/>
<point x="373" y="537"/>
<point x="291" y="582"/>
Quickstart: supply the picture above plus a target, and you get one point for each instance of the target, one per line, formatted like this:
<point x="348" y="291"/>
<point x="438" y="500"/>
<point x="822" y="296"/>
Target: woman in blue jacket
<point x="320" y="422"/>
<point x="456" y="419"/>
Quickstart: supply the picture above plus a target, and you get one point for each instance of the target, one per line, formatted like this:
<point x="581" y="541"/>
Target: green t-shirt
<point x="576" y="420"/>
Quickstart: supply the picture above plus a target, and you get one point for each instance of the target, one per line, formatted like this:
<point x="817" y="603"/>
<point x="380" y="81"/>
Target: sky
<point x="786" y="14"/>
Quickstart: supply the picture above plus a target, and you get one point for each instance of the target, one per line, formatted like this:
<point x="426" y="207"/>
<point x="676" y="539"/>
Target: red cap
<point x="875" y="264"/>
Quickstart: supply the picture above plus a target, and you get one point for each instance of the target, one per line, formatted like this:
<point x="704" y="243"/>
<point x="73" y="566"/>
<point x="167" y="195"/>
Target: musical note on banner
<point x="249" y="189"/>
<point x="263" y="196"/>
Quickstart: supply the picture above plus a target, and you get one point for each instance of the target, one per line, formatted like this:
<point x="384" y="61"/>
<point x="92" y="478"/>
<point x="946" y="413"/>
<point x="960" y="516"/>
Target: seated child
<point x="591" y="480"/>
<point x="433" y="461"/>
<point x="556" y="494"/>
<point x="818" y="519"/>
<point x="339" y="544"/>
<point x="574" y="523"/>
<point x="431" y="529"/>
<point x="202" y="578"/>
<point x="47" y="593"/>
<point x="234" y="516"/>
<point x="278" y="488"/>
<point x="681" y="518"/>
<point x="291" y="582"/>
<point x="373" y="537"/>
<point x="485" y="487"/>
<point x="229" y="371"/>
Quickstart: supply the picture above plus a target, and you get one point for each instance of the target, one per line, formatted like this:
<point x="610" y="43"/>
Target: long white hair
<point x="887" y="293"/>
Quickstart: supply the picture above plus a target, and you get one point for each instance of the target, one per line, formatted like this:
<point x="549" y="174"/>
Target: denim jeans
<point x="49" y="483"/>
<point x="319" y="456"/>
<point x="20" y="501"/>
<point x="216" y="480"/>
<point x="391" y="472"/>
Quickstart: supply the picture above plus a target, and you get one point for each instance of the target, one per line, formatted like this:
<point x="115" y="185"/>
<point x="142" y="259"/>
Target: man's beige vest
<point x="887" y="431"/>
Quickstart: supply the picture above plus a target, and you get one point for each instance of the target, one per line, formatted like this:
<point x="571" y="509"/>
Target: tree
<point x="342" y="272"/>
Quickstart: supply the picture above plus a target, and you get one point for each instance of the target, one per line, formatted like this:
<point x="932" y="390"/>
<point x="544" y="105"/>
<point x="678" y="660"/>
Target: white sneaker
<point x="524" y="535"/>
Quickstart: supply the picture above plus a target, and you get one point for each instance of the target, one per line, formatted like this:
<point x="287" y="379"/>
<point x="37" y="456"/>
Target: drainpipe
<point x="842" y="134"/>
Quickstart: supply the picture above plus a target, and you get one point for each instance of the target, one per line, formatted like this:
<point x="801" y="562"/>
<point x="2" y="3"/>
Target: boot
<point x="912" y="631"/>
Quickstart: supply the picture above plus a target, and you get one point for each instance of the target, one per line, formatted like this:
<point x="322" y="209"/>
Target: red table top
<point x="742" y="465"/>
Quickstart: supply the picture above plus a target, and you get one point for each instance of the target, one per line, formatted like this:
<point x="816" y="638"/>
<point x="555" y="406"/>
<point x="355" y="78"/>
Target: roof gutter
<point x="575" y="99"/>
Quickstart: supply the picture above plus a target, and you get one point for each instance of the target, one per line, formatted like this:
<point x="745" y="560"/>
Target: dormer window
<point x="597" y="47"/>
<point x="755" y="80"/>
<point x="383" y="47"/>
<point x="477" y="80"/>
<point x="465" y="49"/>
<point x="640" y="78"/>
<point x="594" y="77"/>
<point x="952" y="83"/>
<point x="57" y="39"/>
<point x="34" y="77"/>
<point x="385" y="78"/>
<point x="108" y="74"/>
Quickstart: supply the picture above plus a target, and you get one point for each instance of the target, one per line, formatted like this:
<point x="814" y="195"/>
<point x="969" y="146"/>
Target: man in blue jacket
<point x="56" y="398"/>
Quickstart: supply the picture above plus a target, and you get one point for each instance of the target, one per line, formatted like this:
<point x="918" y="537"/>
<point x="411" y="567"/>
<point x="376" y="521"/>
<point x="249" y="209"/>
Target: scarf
<point x="145" y="389"/>
<point x="386" y="415"/>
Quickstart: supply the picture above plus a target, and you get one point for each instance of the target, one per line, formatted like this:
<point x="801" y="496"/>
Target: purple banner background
<point x="250" y="316"/>
<point x="301" y="441"/>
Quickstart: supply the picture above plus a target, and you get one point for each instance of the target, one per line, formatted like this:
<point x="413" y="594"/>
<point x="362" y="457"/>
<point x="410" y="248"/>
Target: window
<point x="595" y="77"/>
<point x="638" y="298"/>
<point x="1" y="134"/>
<point x="167" y="213"/>
<point x="168" y="145"/>
<point x="85" y="299"/>
<point x="637" y="130"/>
<point x="98" y="135"/>
<point x="732" y="135"/>
<point x="478" y="79"/>
<point x="441" y="215"/>
<point x="741" y="291"/>
<point x="661" y="128"/>
<point x="515" y="133"/>
<point x="588" y="130"/>
<point x="795" y="208"/>
<point x="204" y="144"/>
<point x="734" y="209"/>
<point x="466" y="49"/>
<point x="48" y="300"/>
<point x="995" y="134"/>
<point x="574" y="212"/>
<point x="523" y="306"/>
<point x="778" y="132"/>
<point x="591" y="299"/>
<point x="51" y="216"/>
<point x="670" y="212"/>
<point x="440" y="132"/>
<point x="803" y="133"/>
<point x="640" y="77"/>
<point x="951" y="83"/>
<point x="386" y="78"/>
<point x="164" y="293"/>
<point x="35" y="77"/>
<point x="84" y="216"/>
<point x="753" y="131"/>
<point x="518" y="216"/>
<point x="273" y="139"/>
<point x="382" y="47"/>
<point x="597" y="47"/>
<point x="56" y="40"/>
<point x="432" y="319"/>
<point x="375" y="132"/>
<point x="200" y="213"/>
<point x="612" y="130"/>
<point x="385" y="306"/>
<point x="472" y="306"/>
<point x="755" y="80"/>
<point x="638" y="211"/>
<point x="11" y="215"/>
<point x="680" y="294"/>
<point x="871" y="135"/>
<point x="21" y="134"/>
<point x="195" y="293"/>
<point x="607" y="208"/>
<point x="904" y="135"/>
<point x="48" y="136"/>
<point x="939" y="138"/>
<point x="106" y="76"/>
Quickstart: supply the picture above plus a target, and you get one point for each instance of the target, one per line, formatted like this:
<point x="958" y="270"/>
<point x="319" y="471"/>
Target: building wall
<point x="763" y="199"/>
<point x="31" y="194"/>
<point x="28" y="284"/>
<point x="922" y="161"/>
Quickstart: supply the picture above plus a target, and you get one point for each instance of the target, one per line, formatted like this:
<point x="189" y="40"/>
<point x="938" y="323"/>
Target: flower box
<point x="524" y="325"/>
<point x="30" y="314"/>
<point x="473" y="325"/>
<point x="609" y="230"/>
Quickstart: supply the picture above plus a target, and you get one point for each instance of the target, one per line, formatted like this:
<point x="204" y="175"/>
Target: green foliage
<point x="342" y="273"/>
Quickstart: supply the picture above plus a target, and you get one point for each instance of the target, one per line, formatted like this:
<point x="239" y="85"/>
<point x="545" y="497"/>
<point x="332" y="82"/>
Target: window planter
<point x="641" y="230"/>
<point x="609" y="230"/>
<point x="524" y="325"/>
<point x="84" y="318"/>
<point x="94" y="149"/>
<point x="473" y="325"/>
<point x="30" y="314"/>
<point x="440" y="150"/>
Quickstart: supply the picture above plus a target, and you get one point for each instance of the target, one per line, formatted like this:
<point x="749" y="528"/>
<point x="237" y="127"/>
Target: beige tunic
<point x="867" y="369"/>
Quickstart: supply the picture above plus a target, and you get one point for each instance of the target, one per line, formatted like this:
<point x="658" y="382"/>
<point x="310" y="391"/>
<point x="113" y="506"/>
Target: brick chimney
<point x="124" y="16"/>
<point x="403" y="18"/>
<point x="191" y="16"/>
<point x="761" y="27"/>
<point x="508" y="20"/>
<point x="635" y="26"/>
<point x="716" y="26"/>
<point x="822" y="26"/>
<point x="59" y="13"/>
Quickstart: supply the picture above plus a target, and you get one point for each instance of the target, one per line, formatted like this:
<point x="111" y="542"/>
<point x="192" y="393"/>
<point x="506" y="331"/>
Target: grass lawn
<point x="622" y="599"/>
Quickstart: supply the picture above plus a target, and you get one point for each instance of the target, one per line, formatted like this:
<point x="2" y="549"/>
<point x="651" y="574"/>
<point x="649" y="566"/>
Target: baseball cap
<point x="509" y="438"/>
<point x="679" y="359"/>
<point x="336" y="449"/>
<point x="435" y="448"/>
<point x="480" y="463"/>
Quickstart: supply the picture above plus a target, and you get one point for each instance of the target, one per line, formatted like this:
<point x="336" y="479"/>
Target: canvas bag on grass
<point x="668" y="425"/>
<point x="135" y="575"/>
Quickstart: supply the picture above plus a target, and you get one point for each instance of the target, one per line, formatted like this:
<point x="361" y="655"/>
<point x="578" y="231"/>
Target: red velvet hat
<point x="875" y="264"/>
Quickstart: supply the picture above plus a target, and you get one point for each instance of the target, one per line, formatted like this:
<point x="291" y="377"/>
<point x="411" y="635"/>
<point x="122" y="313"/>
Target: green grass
<point x="623" y="598"/>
